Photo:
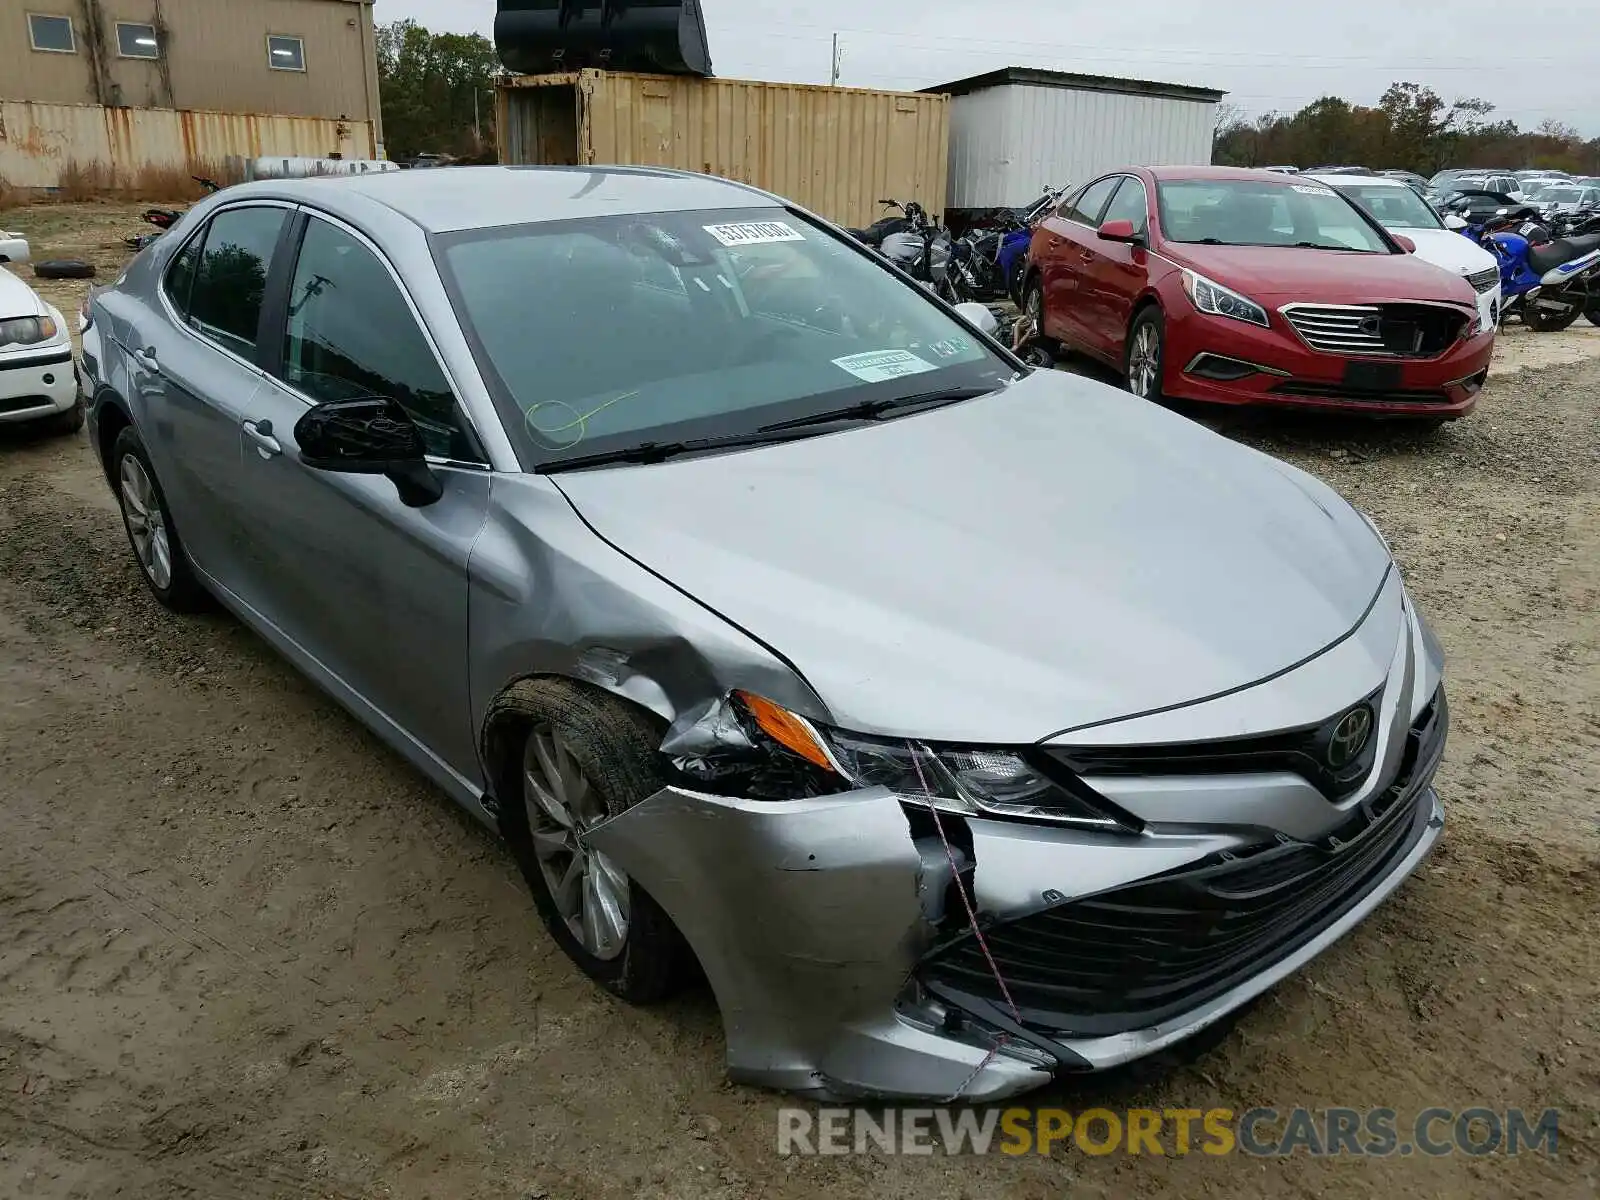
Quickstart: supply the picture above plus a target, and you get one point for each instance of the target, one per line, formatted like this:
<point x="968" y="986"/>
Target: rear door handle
<point x="260" y="432"/>
<point x="146" y="358"/>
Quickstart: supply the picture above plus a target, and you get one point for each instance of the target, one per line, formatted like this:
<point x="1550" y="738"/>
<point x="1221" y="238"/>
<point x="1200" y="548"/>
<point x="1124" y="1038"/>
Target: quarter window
<point x="286" y="53"/>
<point x="180" y="276"/>
<point x="231" y="276"/>
<point x="351" y="334"/>
<point x="51" y="33"/>
<point x="137" y="41"/>
<point x="1129" y="204"/>
<point x="1085" y="207"/>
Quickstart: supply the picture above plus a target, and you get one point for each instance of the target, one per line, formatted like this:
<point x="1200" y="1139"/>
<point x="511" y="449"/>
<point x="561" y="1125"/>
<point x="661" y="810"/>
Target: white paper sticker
<point x="879" y="365"/>
<point x="753" y="233"/>
<point x="1311" y="189"/>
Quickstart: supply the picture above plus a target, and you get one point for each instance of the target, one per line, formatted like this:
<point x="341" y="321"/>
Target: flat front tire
<point x="582" y="758"/>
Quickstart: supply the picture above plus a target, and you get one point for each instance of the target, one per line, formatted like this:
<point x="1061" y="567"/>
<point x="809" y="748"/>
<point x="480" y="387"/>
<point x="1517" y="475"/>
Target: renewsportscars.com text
<point x="1259" y="1132"/>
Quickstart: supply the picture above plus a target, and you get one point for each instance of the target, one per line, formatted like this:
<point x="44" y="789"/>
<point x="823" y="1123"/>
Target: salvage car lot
<point x="242" y="942"/>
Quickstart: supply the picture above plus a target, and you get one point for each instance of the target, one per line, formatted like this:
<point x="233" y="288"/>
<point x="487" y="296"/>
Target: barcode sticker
<point x="753" y="233"/>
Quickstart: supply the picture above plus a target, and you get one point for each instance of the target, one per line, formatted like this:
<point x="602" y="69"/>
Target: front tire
<point x="584" y="757"/>
<point x="154" y="538"/>
<point x="1146" y="355"/>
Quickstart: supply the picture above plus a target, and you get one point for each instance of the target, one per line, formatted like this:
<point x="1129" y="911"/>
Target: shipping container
<point x="1016" y="131"/>
<point x="837" y="151"/>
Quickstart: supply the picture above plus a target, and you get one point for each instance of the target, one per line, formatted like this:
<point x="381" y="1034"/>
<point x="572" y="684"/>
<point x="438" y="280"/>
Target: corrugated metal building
<point x="269" y="58"/>
<point x="1016" y="131"/>
<point x="837" y="151"/>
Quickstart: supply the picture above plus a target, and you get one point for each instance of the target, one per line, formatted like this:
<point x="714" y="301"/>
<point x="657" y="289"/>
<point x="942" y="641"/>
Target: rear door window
<point x="179" y="281"/>
<point x="1086" y="206"/>
<point x="231" y="276"/>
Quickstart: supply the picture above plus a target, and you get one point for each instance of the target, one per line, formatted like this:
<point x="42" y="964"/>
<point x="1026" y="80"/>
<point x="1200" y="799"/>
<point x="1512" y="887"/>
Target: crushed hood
<point x="1054" y="555"/>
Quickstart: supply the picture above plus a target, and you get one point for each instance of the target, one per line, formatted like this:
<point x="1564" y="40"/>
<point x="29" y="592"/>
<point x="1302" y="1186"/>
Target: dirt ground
<point x="245" y="951"/>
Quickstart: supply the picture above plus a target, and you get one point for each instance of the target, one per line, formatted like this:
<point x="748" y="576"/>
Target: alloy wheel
<point x="147" y="524"/>
<point x="563" y="805"/>
<point x="1144" y="362"/>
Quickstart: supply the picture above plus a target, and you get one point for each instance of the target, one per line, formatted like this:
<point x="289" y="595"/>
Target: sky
<point x="1270" y="55"/>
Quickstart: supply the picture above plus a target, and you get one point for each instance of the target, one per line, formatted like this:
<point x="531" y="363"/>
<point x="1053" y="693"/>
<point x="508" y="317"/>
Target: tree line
<point x="436" y="91"/>
<point x="1412" y="128"/>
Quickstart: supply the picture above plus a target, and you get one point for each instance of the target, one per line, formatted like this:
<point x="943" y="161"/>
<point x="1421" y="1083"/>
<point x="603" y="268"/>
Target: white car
<point x="38" y="377"/>
<point x="1399" y="209"/>
<point x="13" y="248"/>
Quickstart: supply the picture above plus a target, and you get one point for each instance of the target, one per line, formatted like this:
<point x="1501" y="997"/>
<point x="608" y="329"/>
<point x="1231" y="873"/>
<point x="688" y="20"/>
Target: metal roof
<point x="1087" y="83"/>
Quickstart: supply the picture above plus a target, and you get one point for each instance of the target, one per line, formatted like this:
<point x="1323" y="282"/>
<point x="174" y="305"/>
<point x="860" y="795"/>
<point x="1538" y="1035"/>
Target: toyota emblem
<point x="1349" y="736"/>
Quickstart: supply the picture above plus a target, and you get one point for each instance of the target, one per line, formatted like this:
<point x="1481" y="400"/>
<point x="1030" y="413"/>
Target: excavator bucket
<point x="665" y="37"/>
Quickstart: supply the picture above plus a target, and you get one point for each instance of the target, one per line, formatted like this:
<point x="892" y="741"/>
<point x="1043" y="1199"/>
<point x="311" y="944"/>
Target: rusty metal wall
<point x="38" y="141"/>
<point x="215" y="56"/>
<point x="835" y="150"/>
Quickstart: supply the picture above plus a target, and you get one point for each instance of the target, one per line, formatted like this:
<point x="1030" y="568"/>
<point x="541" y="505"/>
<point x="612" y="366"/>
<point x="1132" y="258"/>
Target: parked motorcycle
<point x="914" y="242"/>
<point x="165" y="218"/>
<point x="1551" y="281"/>
<point x="990" y="261"/>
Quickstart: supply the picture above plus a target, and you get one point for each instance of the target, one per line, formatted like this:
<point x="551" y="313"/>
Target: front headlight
<point x="28" y="331"/>
<point x="1209" y="296"/>
<point x="746" y="745"/>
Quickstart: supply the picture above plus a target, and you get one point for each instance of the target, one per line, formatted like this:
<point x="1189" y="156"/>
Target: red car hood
<point x="1329" y="276"/>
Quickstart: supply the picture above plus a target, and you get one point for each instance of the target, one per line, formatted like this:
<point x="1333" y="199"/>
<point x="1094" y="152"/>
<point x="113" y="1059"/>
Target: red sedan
<point x="1251" y="287"/>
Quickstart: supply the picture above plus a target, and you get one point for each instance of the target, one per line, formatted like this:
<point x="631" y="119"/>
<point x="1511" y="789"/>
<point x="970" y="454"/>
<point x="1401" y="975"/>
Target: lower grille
<point x="16" y="404"/>
<point x="1485" y="280"/>
<point x="1333" y="391"/>
<point x="1138" y="955"/>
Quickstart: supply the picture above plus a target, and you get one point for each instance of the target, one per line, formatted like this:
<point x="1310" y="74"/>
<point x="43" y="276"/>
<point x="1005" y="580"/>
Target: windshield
<point x="1250" y="212"/>
<point x="1561" y="195"/>
<point x="608" y="333"/>
<point x="1393" y="207"/>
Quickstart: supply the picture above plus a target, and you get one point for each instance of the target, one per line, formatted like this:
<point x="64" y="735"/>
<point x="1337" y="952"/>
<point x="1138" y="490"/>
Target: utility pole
<point x="834" y="82"/>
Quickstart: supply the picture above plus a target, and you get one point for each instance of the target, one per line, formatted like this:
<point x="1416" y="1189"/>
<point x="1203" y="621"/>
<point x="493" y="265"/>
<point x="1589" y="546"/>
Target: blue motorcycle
<point x="989" y="262"/>
<point x="1549" y="281"/>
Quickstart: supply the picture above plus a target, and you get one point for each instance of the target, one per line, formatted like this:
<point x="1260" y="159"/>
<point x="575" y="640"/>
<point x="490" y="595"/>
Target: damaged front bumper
<point x="821" y="926"/>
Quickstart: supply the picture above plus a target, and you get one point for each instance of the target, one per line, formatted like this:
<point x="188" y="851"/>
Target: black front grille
<point x="1135" y="956"/>
<point x="16" y="404"/>
<point x="1304" y="751"/>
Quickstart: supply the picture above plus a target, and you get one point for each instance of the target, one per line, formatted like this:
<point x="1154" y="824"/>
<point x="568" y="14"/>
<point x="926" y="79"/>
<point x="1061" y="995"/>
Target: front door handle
<point x="260" y="432"/>
<point x="146" y="358"/>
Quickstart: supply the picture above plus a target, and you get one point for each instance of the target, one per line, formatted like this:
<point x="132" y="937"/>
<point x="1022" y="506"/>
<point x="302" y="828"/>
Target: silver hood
<point x="1055" y="555"/>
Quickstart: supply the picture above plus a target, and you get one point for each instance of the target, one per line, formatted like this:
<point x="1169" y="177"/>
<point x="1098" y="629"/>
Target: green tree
<point x="437" y="90"/>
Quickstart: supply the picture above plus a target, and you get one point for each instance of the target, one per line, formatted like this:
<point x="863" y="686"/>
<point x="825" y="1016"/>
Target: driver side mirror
<point x="371" y="435"/>
<point x="1120" y="230"/>
<point x="1405" y="243"/>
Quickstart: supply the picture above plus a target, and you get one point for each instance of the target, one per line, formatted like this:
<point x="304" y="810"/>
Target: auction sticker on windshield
<point x="879" y="365"/>
<point x="1310" y="189"/>
<point x="753" y="233"/>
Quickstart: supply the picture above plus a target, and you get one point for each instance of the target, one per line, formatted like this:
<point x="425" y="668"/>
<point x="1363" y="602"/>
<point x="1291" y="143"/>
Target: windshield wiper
<point x="872" y="410"/>
<point x="1325" y="246"/>
<point x="652" y="452"/>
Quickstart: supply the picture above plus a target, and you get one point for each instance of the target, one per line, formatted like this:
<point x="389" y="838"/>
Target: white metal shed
<point x="1017" y="130"/>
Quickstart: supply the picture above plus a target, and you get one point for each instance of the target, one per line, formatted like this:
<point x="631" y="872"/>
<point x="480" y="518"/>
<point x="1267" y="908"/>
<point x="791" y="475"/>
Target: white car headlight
<point x="29" y="331"/>
<point x="1209" y="296"/>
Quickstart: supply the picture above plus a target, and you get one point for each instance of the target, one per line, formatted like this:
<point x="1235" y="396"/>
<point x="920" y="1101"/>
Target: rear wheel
<point x="1552" y="320"/>
<point x="1033" y="308"/>
<point x="1146" y="354"/>
<point x="156" y="546"/>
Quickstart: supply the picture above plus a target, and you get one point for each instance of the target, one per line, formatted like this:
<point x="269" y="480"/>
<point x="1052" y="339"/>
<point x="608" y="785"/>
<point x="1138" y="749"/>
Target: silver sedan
<point x="966" y="724"/>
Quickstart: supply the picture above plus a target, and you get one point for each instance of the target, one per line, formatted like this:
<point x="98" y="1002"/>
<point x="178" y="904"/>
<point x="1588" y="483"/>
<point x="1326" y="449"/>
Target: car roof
<point x="1353" y="180"/>
<point x="448" y="199"/>
<point x="1220" y="173"/>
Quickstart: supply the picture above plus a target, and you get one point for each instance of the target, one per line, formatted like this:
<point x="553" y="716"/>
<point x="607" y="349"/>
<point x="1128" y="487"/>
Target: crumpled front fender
<point x="807" y="918"/>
